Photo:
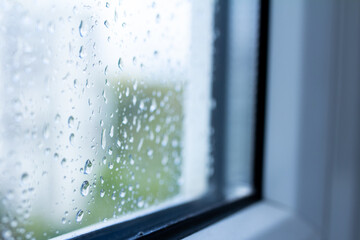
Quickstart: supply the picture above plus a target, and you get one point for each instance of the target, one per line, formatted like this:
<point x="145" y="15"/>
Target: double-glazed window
<point x="122" y="117"/>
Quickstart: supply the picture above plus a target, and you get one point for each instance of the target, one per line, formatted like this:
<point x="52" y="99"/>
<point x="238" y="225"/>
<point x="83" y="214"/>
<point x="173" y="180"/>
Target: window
<point x="121" y="113"/>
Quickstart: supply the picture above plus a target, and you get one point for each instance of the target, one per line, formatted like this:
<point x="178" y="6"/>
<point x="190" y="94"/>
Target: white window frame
<point x="312" y="131"/>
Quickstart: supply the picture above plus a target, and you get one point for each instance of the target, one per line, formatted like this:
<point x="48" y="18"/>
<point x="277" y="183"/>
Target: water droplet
<point x="164" y="161"/>
<point x="153" y="106"/>
<point x="79" y="215"/>
<point x="71" y="122"/>
<point x="56" y="156"/>
<point x="6" y="234"/>
<point x="111" y="134"/>
<point x="164" y="141"/>
<point x="116" y="16"/>
<point x="140" y="144"/>
<point x="142" y="105"/>
<point x="123" y="24"/>
<point x="57" y="118"/>
<point x="107" y="5"/>
<point x="122" y="193"/>
<point x="106" y="23"/>
<point x="63" y="220"/>
<point x="46" y="131"/>
<point x="111" y="165"/>
<point x="82" y="29"/>
<point x="71" y="138"/>
<point x="24" y="177"/>
<point x="174" y="143"/>
<point x="13" y="223"/>
<point x="157" y="18"/>
<point x="103" y="138"/>
<point x="125" y="121"/>
<point x="110" y="151"/>
<point x="150" y="152"/>
<point x="132" y="162"/>
<point x="102" y="180"/>
<point x="51" y="27"/>
<point x="120" y="64"/>
<point x="102" y="193"/>
<point x="88" y="167"/>
<point x="134" y="100"/>
<point x="82" y="52"/>
<point x="140" y="203"/>
<point x="63" y="162"/>
<point x="84" y="190"/>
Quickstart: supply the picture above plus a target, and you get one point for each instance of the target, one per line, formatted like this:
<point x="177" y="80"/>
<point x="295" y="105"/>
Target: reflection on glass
<point x="104" y="111"/>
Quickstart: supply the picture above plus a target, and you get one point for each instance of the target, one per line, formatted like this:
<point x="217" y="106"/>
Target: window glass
<point x="104" y="111"/>
<point x="241" y="95"/>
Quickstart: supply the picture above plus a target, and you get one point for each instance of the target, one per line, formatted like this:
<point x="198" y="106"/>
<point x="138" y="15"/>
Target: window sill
<point x="263" y="220"/>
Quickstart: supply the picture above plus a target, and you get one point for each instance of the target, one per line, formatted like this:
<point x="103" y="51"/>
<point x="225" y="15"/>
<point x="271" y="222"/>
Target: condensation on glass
<point x="104" y="111"/>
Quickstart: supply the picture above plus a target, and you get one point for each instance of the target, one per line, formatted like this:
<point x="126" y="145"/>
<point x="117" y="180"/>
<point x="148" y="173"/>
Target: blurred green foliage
<point x="141" y="164"/>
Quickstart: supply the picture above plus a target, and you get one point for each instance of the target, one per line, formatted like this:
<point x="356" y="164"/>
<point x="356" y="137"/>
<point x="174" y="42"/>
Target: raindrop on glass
<point x="84" y="190"/>
<point x="120" y="66"/>
<point x="103" y="138"/>
<point x="106" y="23"/>
<point x="82" y="52"/>
<point x="88" y="167"/>
<point x="125" y="121"/>
<point x="140" y="203"/>
<point x="57" y="118"/>
<point x="111" y="134"/>
<point x="153" y="106"/>
<point x="71" y="138"/>
<point x="79" y="215"/>
<point x="122" y="193"/>
<point x="71" y="122"/>
<point x="102" y="193"/>
<point x="63" y="162"/>
<point x="46" y="131"/>
<point x="24" y="177"/>
<point x="132" y="162"/>
<point x="111" y="165"/>
<point x="82" y="30"/>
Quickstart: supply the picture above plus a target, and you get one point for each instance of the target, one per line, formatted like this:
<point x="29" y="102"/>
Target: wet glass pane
<point x="104" y="111"/>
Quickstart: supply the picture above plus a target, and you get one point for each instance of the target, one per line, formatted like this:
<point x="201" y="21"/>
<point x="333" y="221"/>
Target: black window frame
<point x="185" y="219"/>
